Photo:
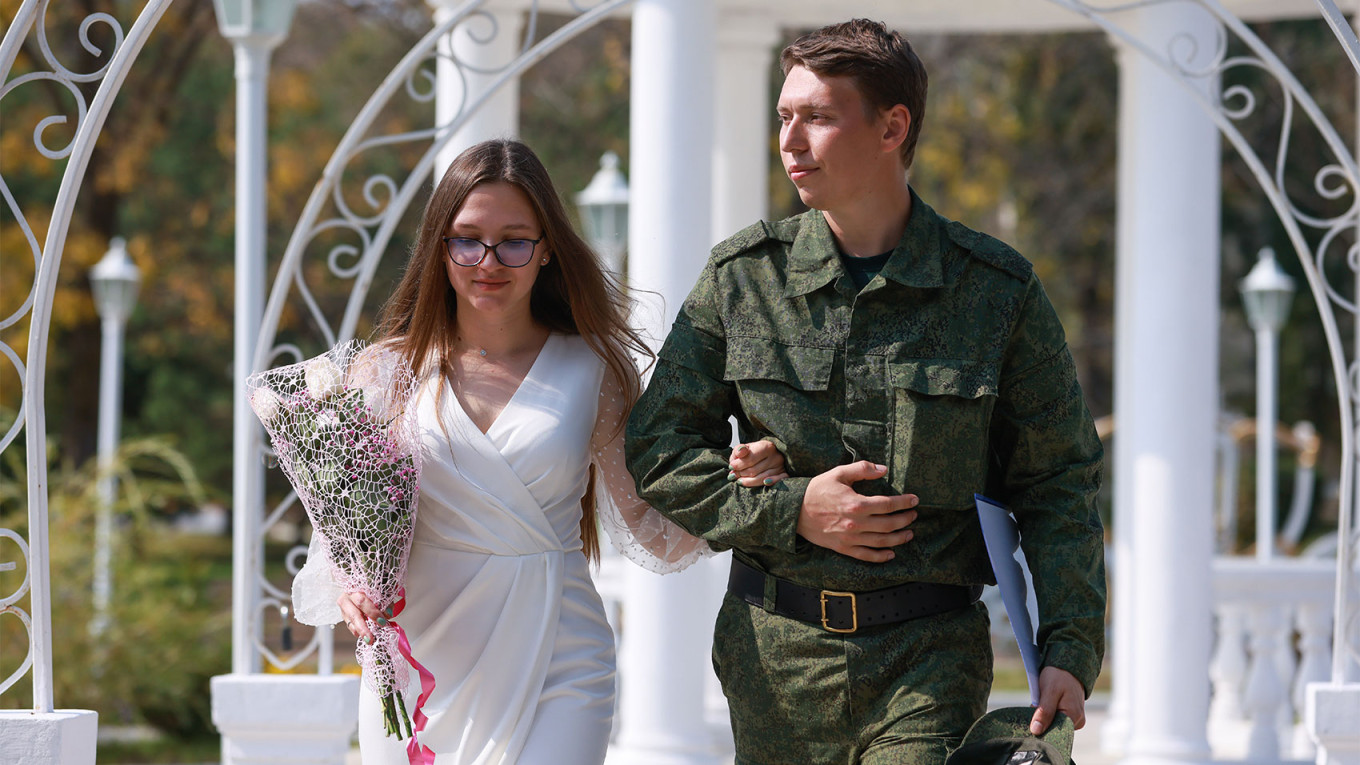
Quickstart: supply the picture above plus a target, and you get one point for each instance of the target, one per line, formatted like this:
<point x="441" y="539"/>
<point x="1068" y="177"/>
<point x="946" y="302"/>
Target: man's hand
<point x="1059" y="691"/>
<point x="837" y="517"/>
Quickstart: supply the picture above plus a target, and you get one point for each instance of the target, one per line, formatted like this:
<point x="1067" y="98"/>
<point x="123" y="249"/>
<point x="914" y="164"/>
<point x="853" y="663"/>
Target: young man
<point x="902" y="362"/>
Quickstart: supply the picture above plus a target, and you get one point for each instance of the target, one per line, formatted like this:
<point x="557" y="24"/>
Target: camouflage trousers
<point x="896" y="693"/>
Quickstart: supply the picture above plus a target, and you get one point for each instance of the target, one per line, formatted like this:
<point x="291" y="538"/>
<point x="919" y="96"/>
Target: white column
<point x="262" y="718"/>
<point x="481" y="46"/>
<point x="666" y="626"/>
<point x="741" y="159"/>
<point x="1122" y="582"/>
<point x="1166" y="390"/>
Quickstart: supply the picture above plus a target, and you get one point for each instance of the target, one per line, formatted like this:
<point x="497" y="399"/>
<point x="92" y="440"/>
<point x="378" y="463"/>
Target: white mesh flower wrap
<point x="349" y="445"/>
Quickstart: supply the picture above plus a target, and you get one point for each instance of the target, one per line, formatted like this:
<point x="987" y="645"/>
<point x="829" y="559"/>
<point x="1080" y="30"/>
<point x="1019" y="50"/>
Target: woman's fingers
<point x="359" y="613"/>
<point x="754" y="458"/>
<point x="763" y="478"/>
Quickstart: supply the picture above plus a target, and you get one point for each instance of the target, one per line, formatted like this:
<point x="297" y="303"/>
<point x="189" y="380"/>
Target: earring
<point x="543" y="262"/>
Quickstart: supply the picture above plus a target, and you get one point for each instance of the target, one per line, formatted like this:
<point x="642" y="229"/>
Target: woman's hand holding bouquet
<point x="345" y="435"/>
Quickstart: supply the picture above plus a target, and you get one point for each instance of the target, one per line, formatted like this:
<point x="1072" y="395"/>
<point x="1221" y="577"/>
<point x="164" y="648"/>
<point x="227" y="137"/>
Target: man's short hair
<point x="880" y="61"/>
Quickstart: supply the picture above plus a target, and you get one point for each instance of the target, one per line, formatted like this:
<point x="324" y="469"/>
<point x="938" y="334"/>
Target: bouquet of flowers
<point x="346" y="438"/>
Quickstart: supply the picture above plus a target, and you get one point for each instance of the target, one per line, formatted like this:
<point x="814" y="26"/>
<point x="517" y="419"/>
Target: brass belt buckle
<point x="854" y="611"/>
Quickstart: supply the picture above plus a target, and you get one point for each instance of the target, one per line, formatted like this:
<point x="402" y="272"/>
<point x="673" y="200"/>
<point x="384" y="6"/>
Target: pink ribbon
<point x="417" y="753"/>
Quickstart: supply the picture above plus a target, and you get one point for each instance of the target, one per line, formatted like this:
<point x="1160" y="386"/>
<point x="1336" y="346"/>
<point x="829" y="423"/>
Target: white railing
<point x="1274" y="624"/>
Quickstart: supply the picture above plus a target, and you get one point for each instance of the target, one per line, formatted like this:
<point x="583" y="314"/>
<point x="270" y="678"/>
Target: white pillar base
<point x="63" y="737"/>
<point x="1332" y="716"/>
<point x="279" y="719"/>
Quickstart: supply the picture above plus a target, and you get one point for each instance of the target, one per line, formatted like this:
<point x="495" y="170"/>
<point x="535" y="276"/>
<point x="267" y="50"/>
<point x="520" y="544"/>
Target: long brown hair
<point x="575" y="295"/>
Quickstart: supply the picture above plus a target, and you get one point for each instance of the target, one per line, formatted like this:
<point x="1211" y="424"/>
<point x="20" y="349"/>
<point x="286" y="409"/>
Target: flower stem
<point x="405" y="718"/>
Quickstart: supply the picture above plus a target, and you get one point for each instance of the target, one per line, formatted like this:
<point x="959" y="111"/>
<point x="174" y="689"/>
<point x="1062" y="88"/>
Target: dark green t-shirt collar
<point x="916" y="261"/>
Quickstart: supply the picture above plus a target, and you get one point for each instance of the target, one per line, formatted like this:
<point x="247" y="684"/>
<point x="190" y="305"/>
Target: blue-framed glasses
<point x="511" y="253"/>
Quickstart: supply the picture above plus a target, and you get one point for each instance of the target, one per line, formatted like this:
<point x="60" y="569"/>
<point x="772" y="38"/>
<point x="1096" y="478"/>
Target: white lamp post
<point x="1266" y="293"/>
<point x="280" y="719"/>
<point x="604" y="212"/>
<point x="255" y="28"/>
<point x="114" y="281"/>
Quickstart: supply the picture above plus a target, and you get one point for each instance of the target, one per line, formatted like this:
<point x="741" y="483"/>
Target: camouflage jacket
<point x="950" y="367"/>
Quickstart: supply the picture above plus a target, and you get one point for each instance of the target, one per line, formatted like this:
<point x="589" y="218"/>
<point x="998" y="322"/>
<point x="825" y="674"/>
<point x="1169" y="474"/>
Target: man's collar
<point x="814" y="260"/>
<point x="916" y="261"/>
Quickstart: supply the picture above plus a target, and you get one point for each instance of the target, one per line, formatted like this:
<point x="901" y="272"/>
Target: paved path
<point x="1085" y="748"/>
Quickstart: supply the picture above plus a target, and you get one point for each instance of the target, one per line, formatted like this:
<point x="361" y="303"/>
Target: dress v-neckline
<point x="508" y="402"/>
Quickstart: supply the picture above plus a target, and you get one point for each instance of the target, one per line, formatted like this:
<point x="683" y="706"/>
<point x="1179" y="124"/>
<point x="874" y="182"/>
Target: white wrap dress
<point x="500" y="606"/>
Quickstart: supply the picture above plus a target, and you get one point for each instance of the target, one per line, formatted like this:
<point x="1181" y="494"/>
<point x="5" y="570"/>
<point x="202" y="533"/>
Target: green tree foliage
<point x="169" y="628"/>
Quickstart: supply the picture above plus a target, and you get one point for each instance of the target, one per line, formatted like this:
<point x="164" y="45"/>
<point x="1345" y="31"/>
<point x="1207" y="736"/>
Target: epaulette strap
<point x="741" y="241"/>
<point x="990" y="250"/>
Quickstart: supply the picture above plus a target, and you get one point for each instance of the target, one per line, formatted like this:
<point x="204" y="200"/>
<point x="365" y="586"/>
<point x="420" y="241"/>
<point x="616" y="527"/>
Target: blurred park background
<point x="1019" y="140"/>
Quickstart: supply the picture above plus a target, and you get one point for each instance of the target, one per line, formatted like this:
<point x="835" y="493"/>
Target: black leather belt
<point x="846" y="612"/>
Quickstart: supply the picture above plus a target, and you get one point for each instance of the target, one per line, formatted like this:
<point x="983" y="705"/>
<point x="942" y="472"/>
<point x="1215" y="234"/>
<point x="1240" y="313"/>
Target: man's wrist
<point x="1078" y="661"/>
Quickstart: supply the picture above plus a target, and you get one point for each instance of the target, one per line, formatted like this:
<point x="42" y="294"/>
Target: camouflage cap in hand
<point x="1002" y="737"/>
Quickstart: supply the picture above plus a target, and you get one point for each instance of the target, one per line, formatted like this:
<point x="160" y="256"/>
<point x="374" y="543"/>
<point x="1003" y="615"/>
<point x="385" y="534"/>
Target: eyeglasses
<point x="511" y="253"/>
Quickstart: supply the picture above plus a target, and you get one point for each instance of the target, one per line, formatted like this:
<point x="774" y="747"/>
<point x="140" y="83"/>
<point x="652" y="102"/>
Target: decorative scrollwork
<point x="22" y="589"/>
<point x="7" y="605"/>
<point x="34" y="22"/>
<point x="277" y="605"/>
<point x="27" y="663"/>
<point x="64" y="76"/>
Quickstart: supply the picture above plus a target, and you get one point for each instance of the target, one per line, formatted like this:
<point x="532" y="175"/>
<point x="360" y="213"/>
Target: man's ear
<point x="896" y="124"/>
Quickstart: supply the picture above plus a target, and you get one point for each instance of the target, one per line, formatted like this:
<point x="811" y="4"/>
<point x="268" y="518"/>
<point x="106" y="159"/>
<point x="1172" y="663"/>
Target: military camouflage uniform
<point x="951" y="368"/>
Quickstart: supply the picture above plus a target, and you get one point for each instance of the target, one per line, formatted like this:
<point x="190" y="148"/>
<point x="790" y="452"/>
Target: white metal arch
<point x="89" y="122"/>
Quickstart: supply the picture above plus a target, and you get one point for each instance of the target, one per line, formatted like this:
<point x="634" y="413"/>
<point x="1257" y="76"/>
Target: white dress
<point x="500" y="606"/>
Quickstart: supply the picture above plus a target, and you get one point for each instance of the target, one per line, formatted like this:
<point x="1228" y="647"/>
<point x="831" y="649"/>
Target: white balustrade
<point x="1273" y="639"/>
<point x="1314" y="624"/>
<point x="1228" y="669"/>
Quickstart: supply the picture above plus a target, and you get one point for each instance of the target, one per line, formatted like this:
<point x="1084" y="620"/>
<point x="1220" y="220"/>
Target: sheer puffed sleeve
<point x="315" y="590"/>
<point x="640" y="533"/>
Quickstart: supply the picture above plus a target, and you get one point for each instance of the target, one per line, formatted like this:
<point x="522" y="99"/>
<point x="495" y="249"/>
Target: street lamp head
<point x="604" y="211"/>
<point x="265" y="21"/>
<point x="1267" y="293"/>
<point x="114" y="281"/>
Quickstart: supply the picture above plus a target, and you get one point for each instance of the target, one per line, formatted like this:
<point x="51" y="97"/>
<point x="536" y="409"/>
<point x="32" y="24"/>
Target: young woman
<point x="522" y="341"/>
